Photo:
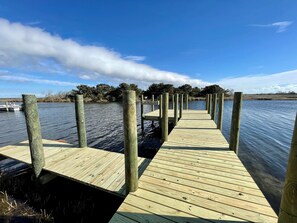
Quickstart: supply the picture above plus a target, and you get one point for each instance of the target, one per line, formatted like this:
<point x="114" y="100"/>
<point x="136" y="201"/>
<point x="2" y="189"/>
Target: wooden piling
<point x="181" y="105"/>
<point x="172" y="98"/>
<point x="235" y="124"/>
<point x="141" y="113"/>
<point x="130" y="141"/>
<point x="34" y="133"/>
<point x="206" y="102"/>
<point x="80" y="121"/>
<point x="6" y="104"/>
<point x="214" y="106"/>
<point x="288" y="207"/>
<point x="221" y="111"/>
<point x="209" y="103"/>
<point x="160" y="106"/>
<point x="187" y="101"/>
<point x="153" y="103"/>
<point x="176" y="109"/>
<point x="165" y="117"/>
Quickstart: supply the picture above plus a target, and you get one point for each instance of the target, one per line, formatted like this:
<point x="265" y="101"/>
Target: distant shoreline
<point x="263" y="97"/>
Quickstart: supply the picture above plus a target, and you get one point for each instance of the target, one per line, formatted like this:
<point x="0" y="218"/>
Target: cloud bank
<point x="280" y="26"/>
<point x="21" y="45"/>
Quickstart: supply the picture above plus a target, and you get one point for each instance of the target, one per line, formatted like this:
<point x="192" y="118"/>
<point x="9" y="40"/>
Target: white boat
<point x="11" y="107"/>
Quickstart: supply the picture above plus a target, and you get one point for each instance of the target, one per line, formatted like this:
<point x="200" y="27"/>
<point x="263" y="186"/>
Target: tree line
<point x="108" y="93"/>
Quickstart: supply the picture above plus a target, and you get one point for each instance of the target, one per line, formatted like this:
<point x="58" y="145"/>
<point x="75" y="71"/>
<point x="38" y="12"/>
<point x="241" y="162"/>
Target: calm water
<point x="266" y="132"/>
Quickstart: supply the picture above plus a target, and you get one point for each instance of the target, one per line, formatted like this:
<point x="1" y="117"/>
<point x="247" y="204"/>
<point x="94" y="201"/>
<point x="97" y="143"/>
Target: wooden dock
<point x="194" y="177"/>
<point x="97" y="168"/>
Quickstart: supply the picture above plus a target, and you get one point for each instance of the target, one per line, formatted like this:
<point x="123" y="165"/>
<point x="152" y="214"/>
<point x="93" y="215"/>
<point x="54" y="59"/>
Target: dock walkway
<point x="97" y="168"/>
<point x="194" y="177"/>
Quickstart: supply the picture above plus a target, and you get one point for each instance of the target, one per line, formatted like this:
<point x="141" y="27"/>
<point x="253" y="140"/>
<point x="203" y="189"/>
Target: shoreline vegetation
<point x="104" y="93"/>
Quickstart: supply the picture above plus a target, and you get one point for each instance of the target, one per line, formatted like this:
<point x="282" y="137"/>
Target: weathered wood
<point x="141" y="114"/>
<point x="6" y="105"/>
<point x="187" y="101"/>
<point x="214" y="107"/>
<point x="34" y="133"/>
<point x="172" y="98"/>
<point x="80" y="121"/>
<point x="210" y="104"/>
<point x="235" y="123"/>
<point x="288" y="207"/>
<point x="206" y="102"/>
<point x="130" y="141"/>
<point x="160" y="106"/>
<point x="221" y="111"/>
<point x="181" y="105"/>
<point x="153" y="102"/>
<point x="165" y="117"/>
<point x="176" y="109"/>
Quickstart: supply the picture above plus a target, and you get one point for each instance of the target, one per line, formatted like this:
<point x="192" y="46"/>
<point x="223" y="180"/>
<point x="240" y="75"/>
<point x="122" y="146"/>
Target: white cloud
<point x="280" y="26"/>
<point x="135" y="58"/>
<point x="21" y="45"/>
<point x="264" y="83"/>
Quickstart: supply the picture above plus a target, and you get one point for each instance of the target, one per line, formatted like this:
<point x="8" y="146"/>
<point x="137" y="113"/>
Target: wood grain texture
<point x="194" y="177"/>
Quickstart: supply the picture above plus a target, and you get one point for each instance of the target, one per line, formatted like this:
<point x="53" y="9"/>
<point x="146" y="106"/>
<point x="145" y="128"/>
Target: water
<point x="265" y="135"/>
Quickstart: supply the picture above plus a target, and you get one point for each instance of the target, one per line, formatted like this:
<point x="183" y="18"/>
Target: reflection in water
<point x="265" y="135"/>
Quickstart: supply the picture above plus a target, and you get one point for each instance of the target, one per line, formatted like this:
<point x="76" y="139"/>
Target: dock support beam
<point x="206" y="102"/>
<point x="187" y="101"/>
<point x="181" y="105"/>
<point x="160" y="107"/>
<point x="80" y="120"/>
<point x="214" y="106"/>
<point x="34" y="133"/>
<point x="288" y="207"/>
<point x="235" y="124"/>
<point x="165" y="117"/>
<point x="172" y="98"/>
<point x="130" y="141"/>
<point x="221" y="112"/>
<point x="141" y="113"/>
<point x="209" y="103"/>
<point x="6" y="104"/>
<point x="176" y="109"/>
<point x="153" y="103"/>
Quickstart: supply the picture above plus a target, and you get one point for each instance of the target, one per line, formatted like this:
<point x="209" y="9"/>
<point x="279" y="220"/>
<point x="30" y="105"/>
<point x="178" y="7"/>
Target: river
<point x="265" y="135"/>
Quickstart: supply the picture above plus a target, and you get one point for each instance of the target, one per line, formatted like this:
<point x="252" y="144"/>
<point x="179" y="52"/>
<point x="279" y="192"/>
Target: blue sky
<point x="51" y="46"/>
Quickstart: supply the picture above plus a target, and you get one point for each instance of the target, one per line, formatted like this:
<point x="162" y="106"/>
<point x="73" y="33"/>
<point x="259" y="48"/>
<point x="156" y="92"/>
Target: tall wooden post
<point x="181" y="105"/>
<point x="206" y="102"/>
<point x="172" y="98"/>
<point x="214" y="107"/>
<point x="160" y="106"/>
<point x="221" y="112"/>
<point x="34" y="133"/>
<point x="141" y="113"/>
<point x="288" y="207"/>
<point x="130" y="141"/>
<point x="80" y="121"/>
<point x="165" y="117"/>
<point x="209" y="103"/>
<point x="153" y="103"/>
<point x="6" y="105"/>
<point x="235" y="124"/>
<point x="176" y="109"/>
<point x="187" y="101"/>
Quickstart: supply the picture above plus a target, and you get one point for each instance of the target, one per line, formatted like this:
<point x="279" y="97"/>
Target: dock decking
<point x="94" y="167"/>
<point x="194" y="177"/>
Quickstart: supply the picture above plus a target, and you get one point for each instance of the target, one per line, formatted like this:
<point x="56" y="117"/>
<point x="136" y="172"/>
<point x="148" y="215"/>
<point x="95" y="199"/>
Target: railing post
<point x="165" y="117"/>
<point x="160" y="106"/>
<point x="206" y="102"/>
<point x="187" y="101"/>
<point x="34" y="133"/>
<point x="214" y="107"/>
<point x="172" y="98"/>
<point x="130" y="141"/>
<point x="181" y="105"/>
<point x="221" y="112"/>
<point x="209" y="103"/>
<point x="6" y="104"/>
<point x="153" y="103"/>
<point x="235" y="124"/>
<point x="176" y="109"/>
<point x="141" y="113"/>
<point x="80" y="121"/>
<point x="288" y="207"/>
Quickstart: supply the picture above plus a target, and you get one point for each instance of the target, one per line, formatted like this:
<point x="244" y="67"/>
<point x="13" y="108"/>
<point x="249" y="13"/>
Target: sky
<point x="51" y="46"/>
